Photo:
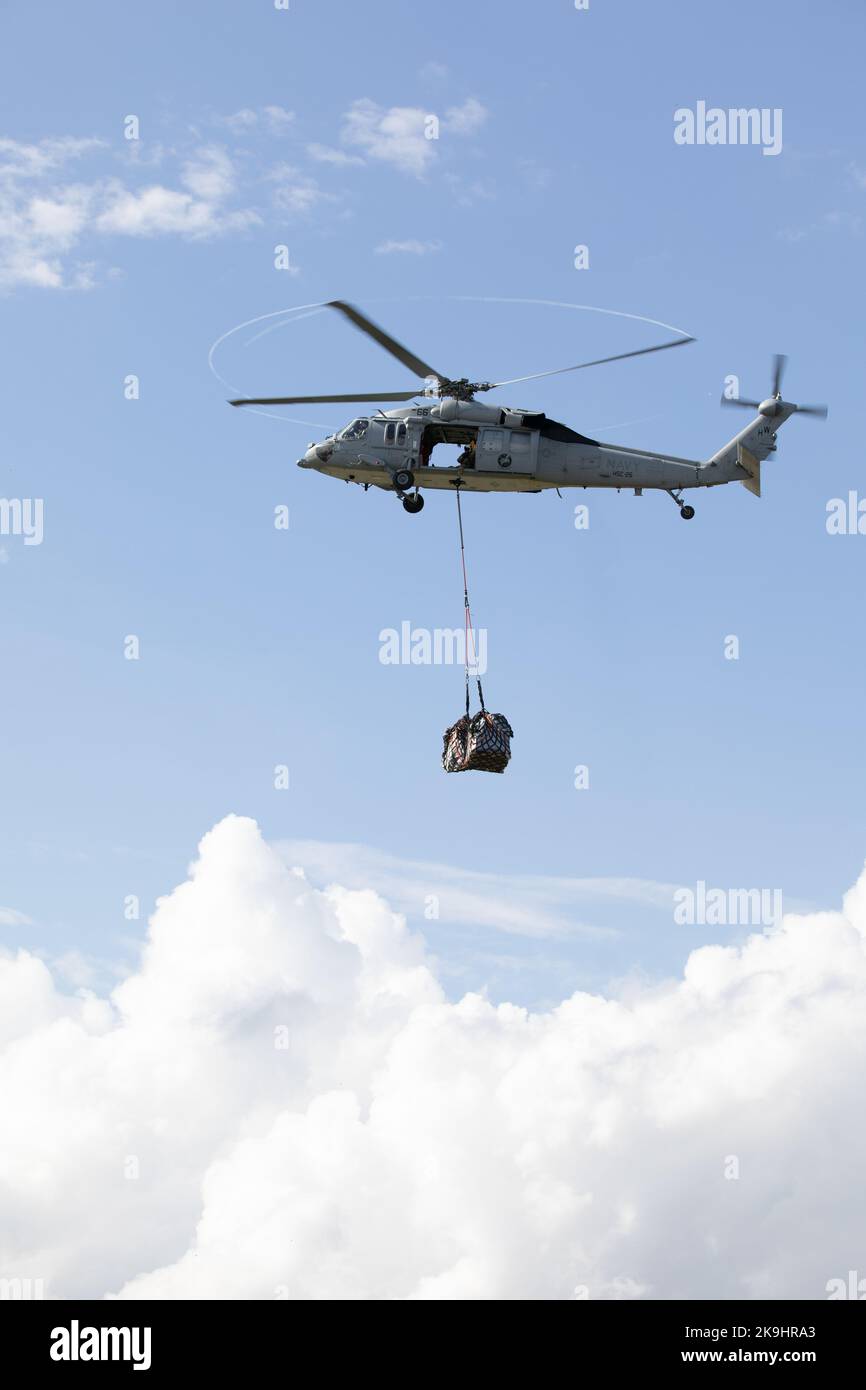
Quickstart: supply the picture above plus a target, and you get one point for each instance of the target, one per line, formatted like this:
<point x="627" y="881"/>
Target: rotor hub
<point x="461" y="389"/>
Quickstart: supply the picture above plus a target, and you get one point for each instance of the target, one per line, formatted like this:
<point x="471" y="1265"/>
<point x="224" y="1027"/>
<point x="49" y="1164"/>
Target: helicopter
<point x="505" y="449"/>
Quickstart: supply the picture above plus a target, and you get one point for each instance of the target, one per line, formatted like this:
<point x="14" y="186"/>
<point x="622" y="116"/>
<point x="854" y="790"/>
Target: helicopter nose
<point x="313" y="457"/>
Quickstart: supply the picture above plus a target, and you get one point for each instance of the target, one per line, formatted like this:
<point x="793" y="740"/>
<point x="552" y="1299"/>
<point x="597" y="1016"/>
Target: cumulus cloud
<point x="60" y="218"/>
<point x="156" y="210"/>
<point x="37" y="228"/>
<point x="398" y="135"/>
<point x="281" y="1102"/>
<point x="23" y="265"/>
<point x="210" y="175"/>
<point x="43" y="223"/>
<point x="405" y="136"/>
<point x="197" y="209"/>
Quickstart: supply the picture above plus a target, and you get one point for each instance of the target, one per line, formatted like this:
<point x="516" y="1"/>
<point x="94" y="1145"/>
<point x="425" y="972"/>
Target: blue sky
<point x="260" y="647"/>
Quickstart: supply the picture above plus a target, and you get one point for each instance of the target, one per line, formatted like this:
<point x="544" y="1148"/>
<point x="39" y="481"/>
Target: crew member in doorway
<point x="467" y="458"/>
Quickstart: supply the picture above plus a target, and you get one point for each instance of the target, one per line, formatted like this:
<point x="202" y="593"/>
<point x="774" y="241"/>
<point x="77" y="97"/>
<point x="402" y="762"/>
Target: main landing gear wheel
<point x="413" y="504"/>
<point x="687" y="513"/>
<point x="403" y="480"/>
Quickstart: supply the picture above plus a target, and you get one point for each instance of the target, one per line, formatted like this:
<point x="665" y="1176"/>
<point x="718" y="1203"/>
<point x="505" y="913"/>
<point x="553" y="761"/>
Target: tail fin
<point x="751" y="466"/>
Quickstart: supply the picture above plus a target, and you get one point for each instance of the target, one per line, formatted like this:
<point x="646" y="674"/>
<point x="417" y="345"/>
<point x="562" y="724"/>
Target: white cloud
<point x="245" y="119"/>
<point x="20" y="160"/>
<point x="10" y="917"/>
<point x="466" y="119"/>
<point x="35" y="228"/>
<point x="196" y="210"/>
<point x="26" y="266"/>
<point x="405" y="137"/>
<point x="323" y="154"/>
<point x="42" y="223"/>
<point x="296" y="193"/>
<point x="38" y="219"/>
<point x="156" y="209"/>
<point x="276" y="119"/>
<point x="396" y="135"/>
<point x="59" y="219"/>
<point x="401" y="1146"/>
<point x="411" y="247"/>
<point x="210" y="175"/>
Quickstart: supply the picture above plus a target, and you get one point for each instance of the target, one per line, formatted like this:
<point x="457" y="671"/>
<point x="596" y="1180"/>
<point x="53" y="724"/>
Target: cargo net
<point x="481" y="742"/>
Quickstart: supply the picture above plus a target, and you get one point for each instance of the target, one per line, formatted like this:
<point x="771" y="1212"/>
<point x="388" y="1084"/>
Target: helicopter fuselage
<point x="507" y="450"/>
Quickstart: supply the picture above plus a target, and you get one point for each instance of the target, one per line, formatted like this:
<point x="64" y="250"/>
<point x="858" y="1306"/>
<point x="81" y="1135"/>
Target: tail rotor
<point x="774" y="404"/>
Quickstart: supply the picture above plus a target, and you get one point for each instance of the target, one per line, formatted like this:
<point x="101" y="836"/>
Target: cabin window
<point x="395" y="433"/>
<point x="493" y="440"/>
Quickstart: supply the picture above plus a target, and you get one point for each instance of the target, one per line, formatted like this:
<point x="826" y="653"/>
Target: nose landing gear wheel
<point x="687" y="513"/>
<point x="403" y="479"/>
<point x="413" y="504"/>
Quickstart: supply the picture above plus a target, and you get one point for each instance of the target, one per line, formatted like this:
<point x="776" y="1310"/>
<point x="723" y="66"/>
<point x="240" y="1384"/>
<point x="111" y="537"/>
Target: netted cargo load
<point x="481" y="743"/>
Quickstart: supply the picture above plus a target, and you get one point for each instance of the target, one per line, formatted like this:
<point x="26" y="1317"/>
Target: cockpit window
<point x="356" y="430"/>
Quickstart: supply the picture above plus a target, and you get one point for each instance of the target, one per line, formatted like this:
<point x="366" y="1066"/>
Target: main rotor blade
<point x="780" y="362"/>
<point x="741" y="401"/>
<point x="597" y="362"/>
<point x="819" y="410"/>
<point x="402" y="354"/>
<point x="325" y="400"/>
